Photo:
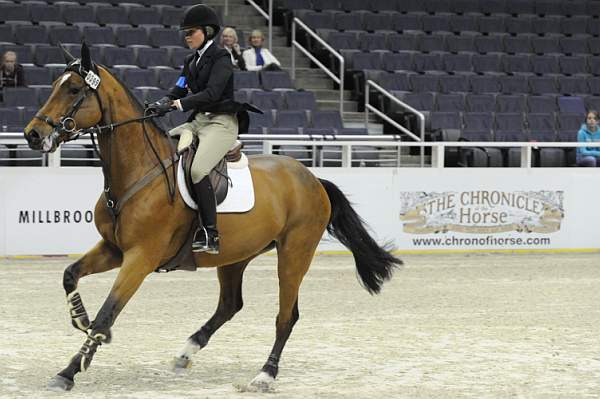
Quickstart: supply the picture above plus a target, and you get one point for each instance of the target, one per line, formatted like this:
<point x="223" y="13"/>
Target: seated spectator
<point x="11" y="73"/>
<point x="229" y="41"/>
<point x="258" y="58"/>
<point x="589" y="132"/>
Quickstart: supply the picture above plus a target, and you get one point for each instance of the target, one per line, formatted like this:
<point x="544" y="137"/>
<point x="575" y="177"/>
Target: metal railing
<point x="268" y="16"/>
<point x="337" y="79"/>
<point x="325" y="150"/>
<point x="368" y="107"/>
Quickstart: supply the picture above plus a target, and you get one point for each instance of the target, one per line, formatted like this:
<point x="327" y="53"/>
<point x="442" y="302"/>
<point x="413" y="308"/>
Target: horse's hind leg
<point x="294" y="255"/>
<point x="230" y="302"/>
<point x="101" y="258"/>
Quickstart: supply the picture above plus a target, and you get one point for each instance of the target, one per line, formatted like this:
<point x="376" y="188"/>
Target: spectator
<point x="258" y="58"/>
<point x="11" y="73"/>
<point x="589" y="132"/>
<point x="229" y="41"/>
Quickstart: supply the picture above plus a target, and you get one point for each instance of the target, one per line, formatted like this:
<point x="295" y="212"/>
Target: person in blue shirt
<point x="589" y="132"/>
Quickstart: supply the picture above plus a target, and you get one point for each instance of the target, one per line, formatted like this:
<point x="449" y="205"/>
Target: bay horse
<point x="292" y="210"/>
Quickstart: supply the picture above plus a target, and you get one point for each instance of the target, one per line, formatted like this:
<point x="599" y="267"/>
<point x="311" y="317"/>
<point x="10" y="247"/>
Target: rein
<point x="67" y="128"/>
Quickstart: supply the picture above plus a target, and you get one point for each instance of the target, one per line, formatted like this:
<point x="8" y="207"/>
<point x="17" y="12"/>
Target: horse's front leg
<point x="103" y="257"/>
<point x="137" y="264"/>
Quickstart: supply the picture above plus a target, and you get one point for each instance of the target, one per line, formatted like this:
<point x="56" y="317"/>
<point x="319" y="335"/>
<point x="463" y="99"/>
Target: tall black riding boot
<point x="206" y="238"/>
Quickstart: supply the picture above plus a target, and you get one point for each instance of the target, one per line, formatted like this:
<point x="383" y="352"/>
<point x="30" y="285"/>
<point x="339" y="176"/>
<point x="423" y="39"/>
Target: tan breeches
<point x="217" y="134"/>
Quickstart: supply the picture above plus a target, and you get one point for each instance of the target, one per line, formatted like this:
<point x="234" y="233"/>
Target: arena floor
<point x="447" y="326"/>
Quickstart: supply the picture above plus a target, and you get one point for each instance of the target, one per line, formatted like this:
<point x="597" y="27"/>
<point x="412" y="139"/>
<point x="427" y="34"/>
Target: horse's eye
<point x="74" y="90"/>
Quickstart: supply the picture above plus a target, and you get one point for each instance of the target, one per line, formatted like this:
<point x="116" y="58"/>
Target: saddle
<point x="218" y="175"/>
<point x="184" y="259"/>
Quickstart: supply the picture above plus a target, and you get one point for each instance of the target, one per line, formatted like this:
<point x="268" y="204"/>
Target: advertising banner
<point x="49" y="211"/>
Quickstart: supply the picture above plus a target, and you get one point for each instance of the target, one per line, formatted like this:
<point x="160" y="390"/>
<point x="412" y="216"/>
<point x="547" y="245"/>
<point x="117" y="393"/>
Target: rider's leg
<point x="206" y="238"/>
<point x="217" y="134"/>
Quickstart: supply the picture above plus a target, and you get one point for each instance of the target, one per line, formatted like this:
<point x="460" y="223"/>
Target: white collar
<point x="203" y="49"/>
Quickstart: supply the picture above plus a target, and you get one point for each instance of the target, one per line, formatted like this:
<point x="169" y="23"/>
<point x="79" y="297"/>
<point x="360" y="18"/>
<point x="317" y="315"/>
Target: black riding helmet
<point x="200" y="16"/>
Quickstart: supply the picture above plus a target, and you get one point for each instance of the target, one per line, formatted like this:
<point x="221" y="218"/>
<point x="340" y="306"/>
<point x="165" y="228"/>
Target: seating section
<point x="492" y="63"/>
<point x="140" y="43"/>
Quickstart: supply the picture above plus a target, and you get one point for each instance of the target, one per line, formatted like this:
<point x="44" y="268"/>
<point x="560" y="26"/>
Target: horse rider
<point x="208" y="74"/>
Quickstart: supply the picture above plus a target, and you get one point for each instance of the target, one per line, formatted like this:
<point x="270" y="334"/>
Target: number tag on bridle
<point x="92" y="80"/>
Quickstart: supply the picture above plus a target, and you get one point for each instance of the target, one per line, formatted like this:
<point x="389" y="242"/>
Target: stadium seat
<point x="460" y="43"/>
<point x="480" y="102"/>
<point x="167" y="78"/>
<point x="14" y="12"/>
<point x="520" y="24"/>
<point x="372" y="41"/>
<point x="164" y="37"/>
<point x="519" y="44"/>
<point x="143" y="16"/>
<point x="378" y="21"/>
<point x="514" y="84"/>
<point x="48" y="55"/>
<point x="19" y="97"/>
<point x="436" y="23"/>
<point x="454" y="102"/>
<point x="45" y="13"/>
<point x="77" y="14"/>
<point x="454" y="84"/>
<point x="260" y="123"/>
<point x="489" y="44"/>
<point x="276" y="80"/>
<point x="420" y="101"/>
<point x="428" y="62"/>
<point x="267" y="100"/>
<point x="433" y="42"/>
<point x="171" y="16"/>
<point x="118" y="56"/>
<point x="543" y="84"/>
<point x="30" y="34"/>
<point x="457" y="63"/>
<point x="483" y="63"/>
<point x="300" y="100"/>
<point x="513" y="122"/>
<point x="289" y="122"/>
<point x="424" y="83"/>
<point x="36" y="76"/>
<point x="245" y="80"/>
<point x="445" y="120"/>
<point x="397" y="61"/>
<point x="65" y="34"/>
<point x="573" y="85"/>
<point x="98" y="35"/>
<point x="484" y="84"/>
<point x="541" y="104"/>
<point x="571" y="105"/>
<point x="517" y="63"/>
<point x="131" y="36"/>
<point x="348" y="21"/>
<point x="134" y="77"/>
<point x="510" y="103"/>
<point x="492" y="24"/>
<point x="112" y="16"/>
<point x="152" y="57"/>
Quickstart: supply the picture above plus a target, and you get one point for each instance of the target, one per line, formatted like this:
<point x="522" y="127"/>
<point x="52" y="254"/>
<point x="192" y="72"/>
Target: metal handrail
<point x="339" y="80"/>
<point x="268" y="16"/>
<point x="368" y="107"/>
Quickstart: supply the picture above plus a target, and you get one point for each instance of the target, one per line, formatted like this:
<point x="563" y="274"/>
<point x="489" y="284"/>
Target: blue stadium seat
<point x="118" y="56"/>
<point x="246" y="80"/>
<point x="289" y="122"/>
<point x="113" y="16"/>
<point x="19" y="97"/>
<point x="78" y="14"/>
<point x="485" y="84"/>
<point x="267" y="100"/>
<point x="542" y="104"/>
<point x="131" y="36"/>
<point x="48" y="55"/>
<point x="484" y="102"/>
<point x="300" y="100"/>
<point x="152" y="57"/>
<point x="98" y="35"/>
<point x="65" y="34"/>
<point x="144" y="16"/>
<point x="134" y="77"/>
<point x="453" y="102"/>
<point x="164" y="37"/>
<point x="511" y="103"/>
<point x="454" y="84"/>
<point x="260" y="123"/>
<point x="167" y="78"/>
<point x="276" y="80"/>
<point x="30" y="34"/>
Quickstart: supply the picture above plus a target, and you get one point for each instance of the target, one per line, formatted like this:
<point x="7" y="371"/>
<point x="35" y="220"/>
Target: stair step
<point x="359" y="117"/>
<point x="328" y="94"/>
<point x="350" y="106"/>
<point x="307" y="72"/>
<point x="311" y="83"/>
<point x="241" y="21"/>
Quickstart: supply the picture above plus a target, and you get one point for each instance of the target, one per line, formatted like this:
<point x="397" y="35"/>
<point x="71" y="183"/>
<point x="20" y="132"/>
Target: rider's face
<point x="194" y="38"/>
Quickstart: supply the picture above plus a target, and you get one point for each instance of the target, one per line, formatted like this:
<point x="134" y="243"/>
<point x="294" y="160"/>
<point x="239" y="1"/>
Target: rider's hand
<point x="161" y="106"/>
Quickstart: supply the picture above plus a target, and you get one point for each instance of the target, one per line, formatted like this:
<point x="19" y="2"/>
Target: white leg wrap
<point x="189" y="349"/>
<point x="263" y="381"/>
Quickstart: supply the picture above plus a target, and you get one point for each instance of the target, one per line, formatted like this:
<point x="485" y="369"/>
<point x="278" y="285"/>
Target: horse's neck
<point x="126" y="148"/>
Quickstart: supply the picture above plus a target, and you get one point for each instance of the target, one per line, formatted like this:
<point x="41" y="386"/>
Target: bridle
<point x="66" y="130"/>
<point x="66" y="127"/>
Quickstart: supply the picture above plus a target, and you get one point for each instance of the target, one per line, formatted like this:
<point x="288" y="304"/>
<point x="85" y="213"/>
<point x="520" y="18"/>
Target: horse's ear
<point x="86" y="58"/>
<point x="68" y="56"/>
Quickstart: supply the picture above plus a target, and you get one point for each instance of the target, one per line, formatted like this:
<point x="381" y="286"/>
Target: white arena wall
<point x="48" y="211"/>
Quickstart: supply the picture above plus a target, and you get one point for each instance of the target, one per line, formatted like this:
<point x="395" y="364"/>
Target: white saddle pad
<point x="240" y="195"/>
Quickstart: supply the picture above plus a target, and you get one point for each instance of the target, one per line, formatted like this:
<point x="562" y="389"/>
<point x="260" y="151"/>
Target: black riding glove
<point x="161" y="106"/>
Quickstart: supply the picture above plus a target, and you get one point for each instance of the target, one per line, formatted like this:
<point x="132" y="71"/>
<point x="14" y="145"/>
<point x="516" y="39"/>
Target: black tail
<point x="373" y="263"/>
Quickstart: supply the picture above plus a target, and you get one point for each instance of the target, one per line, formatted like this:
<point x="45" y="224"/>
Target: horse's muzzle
<point x="39" y="143"/>
<point x="34" y="139"/>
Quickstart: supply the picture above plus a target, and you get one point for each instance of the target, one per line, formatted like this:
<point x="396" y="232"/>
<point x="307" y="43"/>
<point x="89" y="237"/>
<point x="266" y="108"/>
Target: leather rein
<point x="66" y="128"/>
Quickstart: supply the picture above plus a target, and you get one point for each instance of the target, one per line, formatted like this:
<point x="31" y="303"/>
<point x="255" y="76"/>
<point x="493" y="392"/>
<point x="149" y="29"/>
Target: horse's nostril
<point x="34" y="135"/>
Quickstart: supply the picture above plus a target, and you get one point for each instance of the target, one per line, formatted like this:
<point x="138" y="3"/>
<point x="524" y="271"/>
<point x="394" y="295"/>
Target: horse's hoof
<point x="263" y="382"/>
<point x="181" y="364"/>
<point x="60" y="384"/>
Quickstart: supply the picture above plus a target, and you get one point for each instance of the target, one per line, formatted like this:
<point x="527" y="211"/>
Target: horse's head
<point x="73" y="104"/>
